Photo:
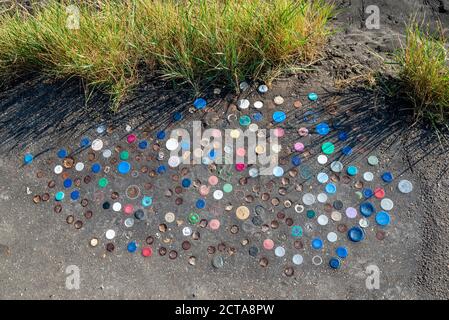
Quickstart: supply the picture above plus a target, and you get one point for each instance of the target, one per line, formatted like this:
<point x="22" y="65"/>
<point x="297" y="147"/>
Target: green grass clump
<point x="424" y="73"/>
<point x="195" y="42"/>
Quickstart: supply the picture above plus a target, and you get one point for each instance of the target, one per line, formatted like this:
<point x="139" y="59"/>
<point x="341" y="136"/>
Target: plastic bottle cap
<point x="312" y="96"/>
<point x="297" y="259"/>
<point x="279" y="116"/>
<point x="117" y="206"/>
<point x="317" y="244"/>
<point x="356" y="234"/>
<point x="382" y="218"/>
<point x="268" y="244"/>
<point x="262" y="88"/>
<point x="258" y="104"/>
<point x="322" y="198"/>
<point x="342" y="252"/>
<point x="386" y="204"/>
<point x="278" y="100"/>
<point x="336" y="166"/>
<point x="387" y="177"/>
<point x="351" y="212"/>
<point x="379" y="193"/>
<point x="123" y="167"/>
<point x="147" y="201"/>
<point x="322" y="128"/>
<point x="58" y="169"/>
<point x="322" y="220"/>
<point x="214" y="224"/>
<point x="322" y="159"/>
<point x="103" y="182"/>
<point x="332" y="237"/>
<point x="28" y="158"/>
<point x="368" y="176"/>
<point x="405" y="186"/>
<point x="334" y="263"/>
<point x="328" y="148"/>
<point x="132" y="247"/>
<point x="227" y="187"/>
<point x="366" y="209"/>
<point x="372" y="160"/>
<point x="308" y="199"/>
<point x="107" y="153"/>
<point x="242" y="213"/>
<point x="297" y="231"/>
<point x="351" y="170"/>
<point x="278" y="171"/>
<point x="299" y="146"/>
<point x="279" y="252"/>
<point x="172" y="144"/>
<point x="147" y="252"/>
<point x="97" y="145"/>
<point x="199" y="103"/>
<point x="170" y="217"/>
<point x="322" y="177"/>
<point x="79" y="166"/>
<point x="331" y="188"/>
<point x="110" y="234"/>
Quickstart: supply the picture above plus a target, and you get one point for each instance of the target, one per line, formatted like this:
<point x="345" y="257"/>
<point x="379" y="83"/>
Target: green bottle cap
<point x="103" y="182"/>
<point x="194" y="218"/>
<point x="124" y="155"/>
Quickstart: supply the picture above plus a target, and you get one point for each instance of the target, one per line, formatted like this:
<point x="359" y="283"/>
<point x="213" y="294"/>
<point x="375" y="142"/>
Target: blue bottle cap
<point x="279" y="116"/>
<point x="317" y="243"/>
<point x="199" y="103"/>
<point x="387" y="177"/>
<point x="96" y="168"/>
<point x="67" y="183"/>
<point x="177" y="116"/>
<point x="147" y="201"/>
<point x="200" y="203"/>
<point x="257" y="116"/>
<point x="322" y="128"/>
<point x="143" y="144"/>
<point x="330" y="188"/>
<point x="382" y="218"/>
<point x="186" y="182"/>
<point x="123" y="167"/>
<point x="356" y="234"/>
<point x="351" y="170"/>
<point x="367" y="193"/>
<point x="347" y="151"/>
<point x="334" y="263"/>
<point x="312" y="96"/>
<point x="160" y="135"/>
<point x="342" y="136"/>
<point x="161" y="169"/>
<point x="85" y="142"/>
<point x="74" y="195"/>
<point x="366" y="209"/>
<point x="62" y="153"/>
<point x="212" y="154"/>
<point x="28" y="158"/>
<point x="132" y="247"/>
<point x="296" y="160"/>
<point x="342" y="252"/>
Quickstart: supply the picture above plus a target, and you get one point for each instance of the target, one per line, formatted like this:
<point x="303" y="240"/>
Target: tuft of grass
<point x="424" y="73"/>
<point x="192" y="42"/>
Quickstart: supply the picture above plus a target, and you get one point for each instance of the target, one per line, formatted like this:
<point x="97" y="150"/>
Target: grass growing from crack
<point x="424" y="73"/>
<point x="198" y="43"/>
